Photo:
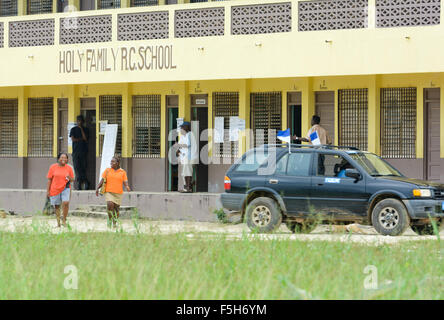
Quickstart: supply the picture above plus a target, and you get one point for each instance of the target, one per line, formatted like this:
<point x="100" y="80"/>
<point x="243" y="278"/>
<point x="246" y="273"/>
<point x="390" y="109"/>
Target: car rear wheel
<point x="426" y="229"/>
<point x="297" y="227"/>
<point x="263" y="215"/>
<point x="390" y="217"/>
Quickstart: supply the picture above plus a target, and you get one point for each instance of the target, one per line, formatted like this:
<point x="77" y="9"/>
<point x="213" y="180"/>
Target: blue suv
<point x="304" y="185"/>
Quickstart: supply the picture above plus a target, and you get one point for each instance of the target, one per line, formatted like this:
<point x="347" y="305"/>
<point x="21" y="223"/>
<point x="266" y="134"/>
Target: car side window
<point x="332" y="165"/>
<point x="299" y="164"/>
<point x="281" y="165"/>
<point x="252" y="161"/>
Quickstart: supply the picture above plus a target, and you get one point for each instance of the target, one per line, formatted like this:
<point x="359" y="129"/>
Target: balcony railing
<point x="209" y="19"/>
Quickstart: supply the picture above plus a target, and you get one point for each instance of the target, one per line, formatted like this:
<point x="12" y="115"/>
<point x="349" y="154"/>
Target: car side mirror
<point x="353" y="173"/>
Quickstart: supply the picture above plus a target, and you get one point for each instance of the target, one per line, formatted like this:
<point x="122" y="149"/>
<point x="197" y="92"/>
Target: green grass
<point x="122" y="266"/>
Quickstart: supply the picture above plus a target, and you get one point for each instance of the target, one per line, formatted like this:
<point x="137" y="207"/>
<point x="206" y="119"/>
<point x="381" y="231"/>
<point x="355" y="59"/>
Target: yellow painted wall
<point x="278" y="55"/>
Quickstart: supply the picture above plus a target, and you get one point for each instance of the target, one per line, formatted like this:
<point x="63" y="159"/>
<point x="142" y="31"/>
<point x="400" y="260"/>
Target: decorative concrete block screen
<point x="401" y="13"/>
<point x="31" y="33"/>
<point x="143" y="26"/>
<point x="262" y="18"/>
<point x="333" y="15"/>
<point x="86" y="29"/>
<point x="1" y="34"/>
<point x="199" y="22"/>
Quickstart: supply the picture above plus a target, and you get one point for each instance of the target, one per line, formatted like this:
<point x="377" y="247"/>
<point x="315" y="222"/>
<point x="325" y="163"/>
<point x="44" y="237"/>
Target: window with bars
<point x="108" y="4"/>
<point x="142" y="3"/>
<point x="398" y="122"/>
<point x="266" y="108"/>
<point x="353" y="118"/>
<point x="146" y="126"/>
<point x="8" y="8"/>
<point x="40" y="127"/>
<point x="8" y="127"/>
<point x="226" y="105"/>
<point x="39" y="6"/>
<point x="110" y="109"/>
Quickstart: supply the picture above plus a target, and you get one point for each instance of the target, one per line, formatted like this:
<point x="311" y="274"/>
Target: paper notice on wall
<point x="179" y="122"/>
<point x="241" y="124"/>
<point x="102" y="126"/>
<point x="109" y="147"/>
<point x="70" y="126"/>
<point x="219" y="130"/>
<point x="234" y="128"/>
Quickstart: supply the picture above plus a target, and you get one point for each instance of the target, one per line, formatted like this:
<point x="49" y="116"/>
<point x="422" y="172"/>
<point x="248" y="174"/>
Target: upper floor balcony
<point x="222" y="40"/>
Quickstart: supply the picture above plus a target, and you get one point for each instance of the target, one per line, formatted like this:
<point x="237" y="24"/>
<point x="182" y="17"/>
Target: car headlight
<point x="425" y="193"/>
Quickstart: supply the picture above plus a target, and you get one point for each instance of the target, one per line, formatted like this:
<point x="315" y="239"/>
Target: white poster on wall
<point x="179" y="122"/>
<point x="70" y="126"/>
<point x="102" y="126"/>
<point x="109" y="147"/>
<point x="234" y="128"/>
<point x="218" y="129"/>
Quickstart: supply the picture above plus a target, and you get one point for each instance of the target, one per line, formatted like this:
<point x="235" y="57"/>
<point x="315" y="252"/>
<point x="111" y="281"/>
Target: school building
<point x="373" y="70"/>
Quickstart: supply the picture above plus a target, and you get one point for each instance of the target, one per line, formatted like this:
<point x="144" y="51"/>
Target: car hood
<point x="420" y="183"/>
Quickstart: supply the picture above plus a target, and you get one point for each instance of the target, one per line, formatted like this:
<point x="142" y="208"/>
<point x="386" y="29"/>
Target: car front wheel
<point x="263" y="215"/>
<point x="390" y="217"/>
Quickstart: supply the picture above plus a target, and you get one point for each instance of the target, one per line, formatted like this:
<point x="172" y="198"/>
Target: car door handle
<point x="273" y="181"/>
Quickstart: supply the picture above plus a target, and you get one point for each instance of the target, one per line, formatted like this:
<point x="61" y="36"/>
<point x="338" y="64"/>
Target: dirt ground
<point x="350" y="233"/>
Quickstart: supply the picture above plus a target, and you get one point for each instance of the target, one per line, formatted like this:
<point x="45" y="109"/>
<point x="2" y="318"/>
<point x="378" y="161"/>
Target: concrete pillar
<point x="308" y="104"/>
<point x="125" y="3"/>
<point x="21" y="7"/>
<point x="73" y="106"/>
<point x="55" y="127"/>
<point x="441" y="122"/>
<point x="284" y="111"/>
<point x="374" y="115"/>
<point x="74" y="3"/>
<point x="210" y="124"/>
<point x="184" y="102"/>
<point x="244" y="113"/>
<point x="336" y="124"/>
<point x="163" y="115"/>
<point x="127" y="123"/>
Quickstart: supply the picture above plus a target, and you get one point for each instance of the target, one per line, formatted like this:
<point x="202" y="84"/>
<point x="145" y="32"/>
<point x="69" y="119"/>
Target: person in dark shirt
<point x="79" y="136"/>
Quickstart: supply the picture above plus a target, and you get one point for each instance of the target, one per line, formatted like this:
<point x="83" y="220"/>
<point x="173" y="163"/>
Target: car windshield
<point x="374" y="165"/>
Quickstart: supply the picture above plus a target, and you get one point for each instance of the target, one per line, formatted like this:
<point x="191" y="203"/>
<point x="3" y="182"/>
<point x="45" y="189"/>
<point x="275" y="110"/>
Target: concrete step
<point x="102" y="208"/>
<point x="98" y="214"/>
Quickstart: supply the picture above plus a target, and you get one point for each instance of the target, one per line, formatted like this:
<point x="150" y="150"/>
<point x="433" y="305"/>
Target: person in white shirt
<point x="185" y="152"/>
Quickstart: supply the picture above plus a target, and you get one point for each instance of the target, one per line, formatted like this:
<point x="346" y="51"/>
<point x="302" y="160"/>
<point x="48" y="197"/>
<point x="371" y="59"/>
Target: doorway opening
<point x="172" y="174"/>
<point x="432" y="158"/>
<point x="62" y="131"/>
<point x="325" y="109"/>
<point x="88" y="110"/>
<point x="199" y="127"/>
<point x="294" y="104"/>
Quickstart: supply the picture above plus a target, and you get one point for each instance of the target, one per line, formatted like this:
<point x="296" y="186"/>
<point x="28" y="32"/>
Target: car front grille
<point x="438" y="194"/>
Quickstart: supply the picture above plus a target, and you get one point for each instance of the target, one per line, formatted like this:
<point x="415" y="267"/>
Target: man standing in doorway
<point x="79" y="136"/>
<point x="321" y="138"/>
<point x="186" y="154"/>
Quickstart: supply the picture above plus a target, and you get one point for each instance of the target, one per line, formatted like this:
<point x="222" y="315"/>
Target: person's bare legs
<point x="57" y="212"/>
<point x="110" y="210"/>
<point x="116" y="214"/>
<point x="65" y="208"/>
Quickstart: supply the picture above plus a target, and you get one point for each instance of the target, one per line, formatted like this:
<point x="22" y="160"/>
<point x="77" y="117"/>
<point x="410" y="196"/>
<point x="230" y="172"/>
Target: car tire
<point x="426" y="229"/>
<point x="390" y="217"/>
<point x="263" y="215"/>
<point x="297" y="227"/>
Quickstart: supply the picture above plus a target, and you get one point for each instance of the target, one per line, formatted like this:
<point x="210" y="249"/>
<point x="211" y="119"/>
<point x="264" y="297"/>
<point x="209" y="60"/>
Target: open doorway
<point x="88" y="110"/>
<point x="172" y="174"/>
<point x="199" y="125"/>
<point x="294" y="113"/>
<point x="62" y="131"/>
<point x="325" y="109"/>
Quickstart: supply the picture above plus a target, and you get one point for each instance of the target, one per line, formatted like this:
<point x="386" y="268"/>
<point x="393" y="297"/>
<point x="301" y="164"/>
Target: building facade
<point x="371" y="69"/>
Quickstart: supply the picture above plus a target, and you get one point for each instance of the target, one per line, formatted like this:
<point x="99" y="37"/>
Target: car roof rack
<point x="322" y="146"/>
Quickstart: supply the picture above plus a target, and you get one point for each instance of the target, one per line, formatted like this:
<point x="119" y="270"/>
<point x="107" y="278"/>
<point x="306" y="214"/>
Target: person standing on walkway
<point x="185" y="153"/>
<point x="58" y="190"/>
<point x="79" y="136"/>
<point x="323" y="136"/>
<point x="114" y="178"/>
